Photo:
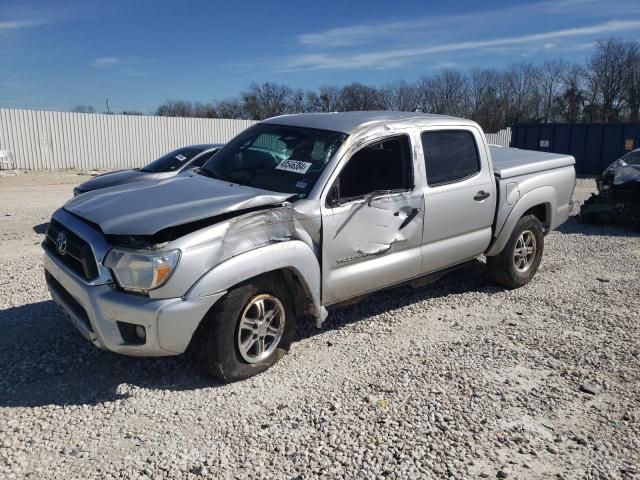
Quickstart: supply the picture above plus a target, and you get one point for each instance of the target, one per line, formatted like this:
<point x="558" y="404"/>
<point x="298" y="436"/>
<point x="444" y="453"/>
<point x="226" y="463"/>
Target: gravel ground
<point x="459" y="379"/>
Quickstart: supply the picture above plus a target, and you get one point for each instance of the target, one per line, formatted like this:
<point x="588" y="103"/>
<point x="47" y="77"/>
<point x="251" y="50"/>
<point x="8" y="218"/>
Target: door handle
<point x="410" y="213"/>
<point x="408" y="216"/>
<point x="481" y="195"/>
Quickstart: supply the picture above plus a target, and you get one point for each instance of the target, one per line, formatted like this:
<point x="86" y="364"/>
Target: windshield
<point x="275" y="157"/>
<point x="632" y="158"/>
<point x="172" y="161"/>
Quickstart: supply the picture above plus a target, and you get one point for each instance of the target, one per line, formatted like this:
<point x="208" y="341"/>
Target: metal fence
<point x="594" y="145"/>
<point x="40" y="140"/>
<point x="503" y="137"/>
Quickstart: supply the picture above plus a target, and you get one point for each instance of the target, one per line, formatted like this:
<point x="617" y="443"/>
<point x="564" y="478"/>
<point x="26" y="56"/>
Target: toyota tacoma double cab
<point x="296" y="214"/>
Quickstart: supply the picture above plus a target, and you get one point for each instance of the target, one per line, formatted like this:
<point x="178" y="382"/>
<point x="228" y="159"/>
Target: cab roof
<point x="350" y="122"/>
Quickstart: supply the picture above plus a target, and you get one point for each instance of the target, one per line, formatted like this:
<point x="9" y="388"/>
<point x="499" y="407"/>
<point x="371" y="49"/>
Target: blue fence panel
<point x="594" y="145"/>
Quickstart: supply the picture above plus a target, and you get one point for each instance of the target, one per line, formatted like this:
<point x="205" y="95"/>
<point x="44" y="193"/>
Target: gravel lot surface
<point x="458" y="379"/>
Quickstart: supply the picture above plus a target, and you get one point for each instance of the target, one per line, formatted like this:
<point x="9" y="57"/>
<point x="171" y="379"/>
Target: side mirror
<point x="333" y="198"/>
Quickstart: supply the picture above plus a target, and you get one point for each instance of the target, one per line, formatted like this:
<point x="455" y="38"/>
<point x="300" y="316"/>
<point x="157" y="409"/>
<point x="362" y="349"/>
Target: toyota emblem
<point x="61" y="243"/>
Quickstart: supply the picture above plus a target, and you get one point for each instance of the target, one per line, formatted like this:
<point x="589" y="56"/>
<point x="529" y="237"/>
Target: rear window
<point x="172" y="161"/>
<point x="449" y="156"/>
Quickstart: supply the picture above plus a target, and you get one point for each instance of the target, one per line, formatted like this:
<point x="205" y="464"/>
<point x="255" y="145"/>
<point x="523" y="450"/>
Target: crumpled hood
<point x="112" y="178"/>
<point x="145" y="208"/>
<point x="623" y="172"/>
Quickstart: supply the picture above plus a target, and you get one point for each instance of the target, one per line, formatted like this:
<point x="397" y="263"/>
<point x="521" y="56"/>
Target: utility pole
<point x="108" y="111"/>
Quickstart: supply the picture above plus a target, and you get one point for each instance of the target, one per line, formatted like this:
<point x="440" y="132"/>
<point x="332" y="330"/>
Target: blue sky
<point x="57" y="54"/>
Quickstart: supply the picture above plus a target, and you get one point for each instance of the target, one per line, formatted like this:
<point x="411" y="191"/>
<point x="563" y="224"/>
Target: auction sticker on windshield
<point x="295" y="166"/>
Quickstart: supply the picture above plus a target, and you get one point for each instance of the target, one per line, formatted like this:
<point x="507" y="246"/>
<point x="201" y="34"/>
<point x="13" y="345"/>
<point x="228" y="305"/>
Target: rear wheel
<point x="519" y="260"/>
<point x="247" y="331"/>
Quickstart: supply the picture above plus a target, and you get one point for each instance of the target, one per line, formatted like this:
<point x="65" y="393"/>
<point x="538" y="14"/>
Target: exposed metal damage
<point x="618" y="198"/>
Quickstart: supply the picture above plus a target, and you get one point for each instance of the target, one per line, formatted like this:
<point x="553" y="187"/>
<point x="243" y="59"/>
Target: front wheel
<point x="519" y="260"/>
<point x="247" y="331"/>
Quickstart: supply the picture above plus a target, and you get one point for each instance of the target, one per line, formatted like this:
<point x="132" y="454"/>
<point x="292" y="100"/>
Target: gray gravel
<point x="454" y="380"/>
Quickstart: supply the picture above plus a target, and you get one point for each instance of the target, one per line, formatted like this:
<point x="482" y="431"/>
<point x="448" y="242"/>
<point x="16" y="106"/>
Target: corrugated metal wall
<point x="41" y="140"/>
<point x="594" y="145"/>
<point x="503" y="137"/>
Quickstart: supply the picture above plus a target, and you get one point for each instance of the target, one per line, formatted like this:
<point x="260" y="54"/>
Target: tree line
<point x="605" y="88"/>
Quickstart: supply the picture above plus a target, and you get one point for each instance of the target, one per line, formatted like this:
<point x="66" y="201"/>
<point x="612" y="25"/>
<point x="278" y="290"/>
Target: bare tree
<point x="204" y="110"/>
<point x="486" y="106"/>
<point x="83" y="109"/>
<point x="304" y="102"/>
<point x="175" y="108"/>
<point x="230" y="109"/>
<point x="330" y="98"/>
<point x="609" y="76"/>
<point x="357" y="96"/>
<point x="266" y="100"/>
<point x="312" y="100"/>
<point x="446" y="93"/>
<point x="572" y="99"/>
<point x="522" y="81"/>
<point x="551" y="83"/>
<point x="606" y="88"/>
<point x="400" y="95"/>
<point x="633" y="83"/>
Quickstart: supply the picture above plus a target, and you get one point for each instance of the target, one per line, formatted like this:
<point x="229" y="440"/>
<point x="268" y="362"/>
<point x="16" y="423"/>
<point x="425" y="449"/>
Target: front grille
<point x="69" y="301"/>
<point x="78" y="255"/>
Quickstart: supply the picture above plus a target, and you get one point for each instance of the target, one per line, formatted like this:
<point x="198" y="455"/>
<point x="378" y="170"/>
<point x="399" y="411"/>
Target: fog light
<point x="132" y="333"/>
<point x="140" y="333"/>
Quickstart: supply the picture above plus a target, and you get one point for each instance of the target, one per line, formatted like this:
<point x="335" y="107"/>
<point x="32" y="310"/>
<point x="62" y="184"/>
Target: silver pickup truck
<point x="297" y="214"/>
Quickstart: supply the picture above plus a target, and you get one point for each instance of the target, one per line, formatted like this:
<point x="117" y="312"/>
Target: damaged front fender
<point x="204" y="249"/>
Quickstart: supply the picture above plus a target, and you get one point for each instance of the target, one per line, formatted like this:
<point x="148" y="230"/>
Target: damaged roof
<point x="350" y="122"/>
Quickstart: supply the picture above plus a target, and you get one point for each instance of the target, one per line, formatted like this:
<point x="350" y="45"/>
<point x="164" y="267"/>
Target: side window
<point x="449" y="156"/>
<point x="385" y="165"/>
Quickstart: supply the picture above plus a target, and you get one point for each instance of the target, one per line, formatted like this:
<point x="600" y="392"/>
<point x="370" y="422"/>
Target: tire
<point x="513" y="269"/>
<point x="216" y="346"/>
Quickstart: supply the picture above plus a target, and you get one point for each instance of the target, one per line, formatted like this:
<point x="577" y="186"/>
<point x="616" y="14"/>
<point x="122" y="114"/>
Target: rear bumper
<point x="95" y="310"/>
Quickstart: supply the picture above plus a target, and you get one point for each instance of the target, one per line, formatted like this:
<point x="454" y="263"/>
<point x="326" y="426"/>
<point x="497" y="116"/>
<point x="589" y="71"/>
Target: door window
<point x="449" y="156"/>
<point x="385" y="165"/>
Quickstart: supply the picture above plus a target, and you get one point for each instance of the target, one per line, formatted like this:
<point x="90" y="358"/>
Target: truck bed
<point x="512" y="162"/>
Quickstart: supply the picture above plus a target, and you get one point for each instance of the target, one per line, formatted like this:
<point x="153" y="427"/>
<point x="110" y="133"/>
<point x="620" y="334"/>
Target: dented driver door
<point x="371" y="243"/>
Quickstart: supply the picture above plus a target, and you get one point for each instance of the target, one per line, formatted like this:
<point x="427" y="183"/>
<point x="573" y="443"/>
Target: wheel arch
<point x="540" y="202"/>
<point x="294" y="260"/>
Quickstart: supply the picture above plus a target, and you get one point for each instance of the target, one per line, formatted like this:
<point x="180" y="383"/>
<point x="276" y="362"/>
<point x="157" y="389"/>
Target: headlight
<point x="141" y="270"/>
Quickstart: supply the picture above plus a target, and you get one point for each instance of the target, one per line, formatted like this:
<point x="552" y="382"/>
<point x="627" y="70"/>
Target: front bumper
<point x="95" y="310"/>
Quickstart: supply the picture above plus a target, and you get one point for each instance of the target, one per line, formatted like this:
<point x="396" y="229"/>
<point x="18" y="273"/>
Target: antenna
<point x="107" y="102"/>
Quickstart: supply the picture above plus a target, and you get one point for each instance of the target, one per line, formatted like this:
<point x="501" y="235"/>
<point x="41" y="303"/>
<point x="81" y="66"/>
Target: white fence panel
<point x="40" y="140"/>
<point x="503" y="137"/>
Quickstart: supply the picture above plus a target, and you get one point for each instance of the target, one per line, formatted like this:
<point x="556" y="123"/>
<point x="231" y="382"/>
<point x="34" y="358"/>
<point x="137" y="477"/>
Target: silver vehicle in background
<point x="297" y="214"/>
<point x="167" y="166"/>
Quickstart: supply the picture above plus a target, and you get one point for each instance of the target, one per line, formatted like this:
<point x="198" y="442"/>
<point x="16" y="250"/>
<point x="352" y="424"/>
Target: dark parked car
<point x="167" y="166"/>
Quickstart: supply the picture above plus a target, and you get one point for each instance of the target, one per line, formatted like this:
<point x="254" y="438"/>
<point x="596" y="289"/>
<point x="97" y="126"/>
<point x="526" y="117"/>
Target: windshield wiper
<point x="254" y="175"/>
<point x="210" y="172"/>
